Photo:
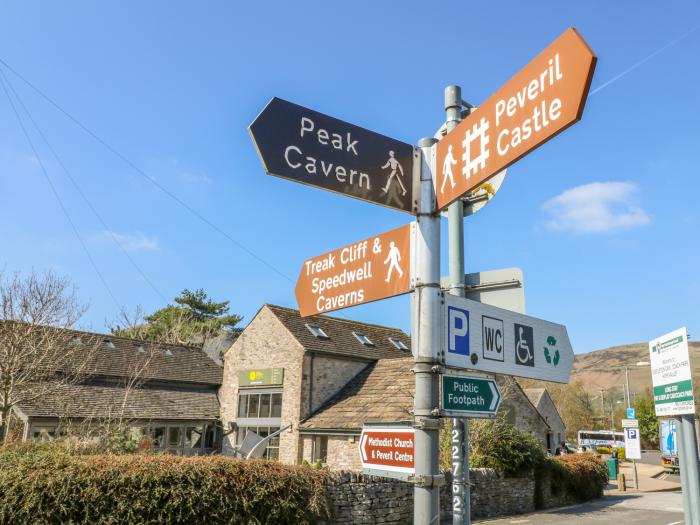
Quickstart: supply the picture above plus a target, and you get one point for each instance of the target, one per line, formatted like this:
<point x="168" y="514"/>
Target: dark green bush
<point x="499" y="445"/>
<point x="45" y="484"/>
<point x="582" y="476"/>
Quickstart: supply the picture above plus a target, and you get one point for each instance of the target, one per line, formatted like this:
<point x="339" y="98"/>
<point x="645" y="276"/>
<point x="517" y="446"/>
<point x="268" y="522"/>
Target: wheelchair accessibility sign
<point x="477" y="336"/>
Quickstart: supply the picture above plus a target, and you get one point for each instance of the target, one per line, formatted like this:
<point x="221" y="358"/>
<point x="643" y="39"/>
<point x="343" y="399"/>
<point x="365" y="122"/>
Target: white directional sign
<point x="633" y="449"/>
<point x="671" y="374"/>
<point x="480" y="337"/>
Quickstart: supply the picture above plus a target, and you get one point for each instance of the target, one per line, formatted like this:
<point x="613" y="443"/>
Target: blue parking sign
<point x="630" y="413"/>
<point x="457" y="330"/>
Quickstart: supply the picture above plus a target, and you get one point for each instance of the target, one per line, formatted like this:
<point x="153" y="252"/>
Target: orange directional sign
<point x="543" y="99"/>
<point x="362" y="272"/>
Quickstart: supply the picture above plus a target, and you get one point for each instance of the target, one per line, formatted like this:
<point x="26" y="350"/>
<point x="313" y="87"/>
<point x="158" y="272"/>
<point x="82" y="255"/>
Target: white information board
<point x="477" y="336"/>
<point x="633" y="449"/>
<point x="671" y="374"/>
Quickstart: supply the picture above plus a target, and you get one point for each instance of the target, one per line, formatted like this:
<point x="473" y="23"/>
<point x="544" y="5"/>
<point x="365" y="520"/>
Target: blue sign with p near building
<point x="457" y="330"/>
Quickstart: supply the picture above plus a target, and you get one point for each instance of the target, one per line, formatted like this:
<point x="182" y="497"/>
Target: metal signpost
<point x="480" y="337"/>
<point x="387" y="450"/>
<point x="314" y="149"/>
<point x="306" y="146"/>
<point x="365" y="271"/>
<point x="671" y="377"/>
<point x="469" y="396"/>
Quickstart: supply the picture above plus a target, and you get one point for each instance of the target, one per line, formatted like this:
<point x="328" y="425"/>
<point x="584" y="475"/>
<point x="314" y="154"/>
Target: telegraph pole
<point x="425" y="334"/>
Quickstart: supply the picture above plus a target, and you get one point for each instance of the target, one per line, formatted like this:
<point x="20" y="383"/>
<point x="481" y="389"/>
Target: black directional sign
<point x="303" y="145"/>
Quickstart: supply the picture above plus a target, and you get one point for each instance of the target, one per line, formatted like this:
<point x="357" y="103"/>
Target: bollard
<point x="622" y="485"/>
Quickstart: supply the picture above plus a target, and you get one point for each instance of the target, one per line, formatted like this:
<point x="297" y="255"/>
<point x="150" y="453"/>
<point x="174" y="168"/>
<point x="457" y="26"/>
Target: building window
<point x="320" y="452"/>
<point x="260" y="405"/>
<point x="272" y="449"/>
<point x="157" y="437"/>
<point x="362" y="338"/>
<point x="317" y="331"/>
<point x="193" y="437"/>
<point x="398" y="343"/>
<point x="174" y="434"/>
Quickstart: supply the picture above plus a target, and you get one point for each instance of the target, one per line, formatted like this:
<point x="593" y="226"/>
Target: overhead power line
<point x="138" y="170"/>
<point x="55" y="192"/>
<point x="60" y="162"/>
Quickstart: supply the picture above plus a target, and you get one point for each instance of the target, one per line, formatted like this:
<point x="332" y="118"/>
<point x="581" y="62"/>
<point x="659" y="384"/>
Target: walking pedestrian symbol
<point x="524" y="345"/>
<point x="396" y="172"/>
<point x="393" y="260"/>
<point x="447" y="170"/>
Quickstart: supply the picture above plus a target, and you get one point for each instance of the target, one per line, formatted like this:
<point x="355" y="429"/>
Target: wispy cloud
<point x="596" y="207"/>
<point x="133" y="242"/>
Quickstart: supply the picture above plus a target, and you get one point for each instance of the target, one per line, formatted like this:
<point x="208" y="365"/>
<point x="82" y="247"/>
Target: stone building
<point x="166" y="395"/>
<point x="541" y="399"/>
<point x="325" y="377"/>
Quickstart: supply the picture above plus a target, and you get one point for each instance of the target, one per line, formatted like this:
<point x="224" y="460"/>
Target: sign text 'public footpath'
<point x="368" y="270"/>
<point x="671" y="374"/>
<point x="388" y="451"/>
<point x="481" y="337"/>
<point x="305" y="146"/>
<point x="465" y="396"/>
<point x="543" y="99"/>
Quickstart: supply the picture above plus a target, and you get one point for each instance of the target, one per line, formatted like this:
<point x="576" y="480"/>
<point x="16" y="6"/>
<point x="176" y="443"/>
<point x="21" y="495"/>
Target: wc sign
<point x="458" y="330"/>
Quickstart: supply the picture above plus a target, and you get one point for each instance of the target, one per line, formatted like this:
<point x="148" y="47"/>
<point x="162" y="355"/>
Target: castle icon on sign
<point x="474" y="163"/>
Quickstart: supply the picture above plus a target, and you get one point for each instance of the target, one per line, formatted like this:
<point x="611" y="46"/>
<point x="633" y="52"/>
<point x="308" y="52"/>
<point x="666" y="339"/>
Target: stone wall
<point x="358" y="498"/>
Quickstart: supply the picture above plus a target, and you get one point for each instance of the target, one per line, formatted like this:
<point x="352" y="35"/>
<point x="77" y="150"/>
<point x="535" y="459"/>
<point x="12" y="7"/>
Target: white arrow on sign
<point x="477" y="336"/>
<point x="496" y="396"/>
<point x="363" y="452"/>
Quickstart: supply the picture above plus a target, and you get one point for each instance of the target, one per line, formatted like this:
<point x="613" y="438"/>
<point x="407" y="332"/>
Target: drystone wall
<point x="359" y="498"/>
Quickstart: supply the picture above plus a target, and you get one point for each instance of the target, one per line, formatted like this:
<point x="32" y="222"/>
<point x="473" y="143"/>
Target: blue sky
<point x="603" y="219"/>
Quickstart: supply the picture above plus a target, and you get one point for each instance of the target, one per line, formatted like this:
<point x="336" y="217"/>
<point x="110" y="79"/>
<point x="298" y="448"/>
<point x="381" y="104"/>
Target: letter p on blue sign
<point x="457" y="330"/>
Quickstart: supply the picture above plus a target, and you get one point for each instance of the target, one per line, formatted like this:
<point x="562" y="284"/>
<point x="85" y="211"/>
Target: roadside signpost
<point x="469" y="396"/>
<point x="387" y="451"/>
<point x="306" y="146"/>
<point x="671" y="378"/>
<point x="480" y="337"/>
<point x="368" y="270"/>
<point x="630" y="423"/>
<point x="543" y="99"/>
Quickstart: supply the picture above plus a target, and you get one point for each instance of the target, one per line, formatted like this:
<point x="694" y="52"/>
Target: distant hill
<point x="605" y="369"/>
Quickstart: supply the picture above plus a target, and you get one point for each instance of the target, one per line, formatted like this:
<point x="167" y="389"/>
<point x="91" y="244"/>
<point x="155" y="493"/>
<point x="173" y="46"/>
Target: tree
<point x="647" y="420"/>
<point x="192" y="320"/>
<point x="37" y="355"/>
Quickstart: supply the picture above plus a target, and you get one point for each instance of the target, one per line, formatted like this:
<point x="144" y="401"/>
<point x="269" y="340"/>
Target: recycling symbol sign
<point x="551" y="358"/>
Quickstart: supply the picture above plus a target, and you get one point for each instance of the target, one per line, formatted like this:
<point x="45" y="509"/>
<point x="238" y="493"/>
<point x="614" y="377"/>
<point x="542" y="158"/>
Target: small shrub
<point x="499" y="445"/>
<point x="603" y="450"/>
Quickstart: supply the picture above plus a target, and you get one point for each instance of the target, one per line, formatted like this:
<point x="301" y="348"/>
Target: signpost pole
<point x="460" y="427"/>
<point x="629" y="404"/>
<point x="425" y="334"/>
<point x="690" y="464"/>
<point x="683" y="467"/>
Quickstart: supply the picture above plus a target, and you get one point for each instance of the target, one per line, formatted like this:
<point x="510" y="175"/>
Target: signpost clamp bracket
<point x="424" y="422"/>
<point x="428" y="480"/>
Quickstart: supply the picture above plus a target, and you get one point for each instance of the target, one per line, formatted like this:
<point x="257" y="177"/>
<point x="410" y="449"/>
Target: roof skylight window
<point x="168" y="353"/>
<point x="141" y="350"/>
<point x="317" y="331"/>
<point x="398" y="343"/>
<point x="108" y="344"/>
<point x="362" y="338"/>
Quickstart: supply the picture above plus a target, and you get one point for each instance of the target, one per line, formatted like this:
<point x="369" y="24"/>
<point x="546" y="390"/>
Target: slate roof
<point x="103" y="400"/>
<point x="534" y="395"/>
<point x="169" y="363"/>
<point x="383" y="391"/>
<point x="341" y="340"/>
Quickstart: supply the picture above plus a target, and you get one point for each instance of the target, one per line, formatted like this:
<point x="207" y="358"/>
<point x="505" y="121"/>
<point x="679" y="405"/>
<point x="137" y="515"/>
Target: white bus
<point x="592" y="439"/>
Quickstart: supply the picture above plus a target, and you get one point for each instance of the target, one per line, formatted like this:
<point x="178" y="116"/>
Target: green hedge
<point x="581" y="476"/>
<point x="499" y="445"/>
<point x="42" y="485"/>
